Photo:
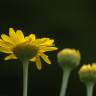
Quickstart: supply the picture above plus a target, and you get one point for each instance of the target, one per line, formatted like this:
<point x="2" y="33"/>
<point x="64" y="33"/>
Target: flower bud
<point x="69" y="58"/>
<point x="87" y="73"/>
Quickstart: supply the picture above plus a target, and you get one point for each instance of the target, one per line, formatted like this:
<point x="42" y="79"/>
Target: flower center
<point x="25" y="51"/>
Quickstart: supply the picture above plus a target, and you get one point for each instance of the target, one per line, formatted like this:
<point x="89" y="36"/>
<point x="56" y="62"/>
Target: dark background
<point x="72" y="23"/>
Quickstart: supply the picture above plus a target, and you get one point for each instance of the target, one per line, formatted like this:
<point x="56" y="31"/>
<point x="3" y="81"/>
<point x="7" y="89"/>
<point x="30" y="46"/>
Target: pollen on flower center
<point x="25" y="51"/>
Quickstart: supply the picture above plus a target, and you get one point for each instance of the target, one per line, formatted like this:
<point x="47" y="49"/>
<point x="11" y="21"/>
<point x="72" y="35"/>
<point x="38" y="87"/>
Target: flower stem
<point x="66" y="74"/>
<point x="25" y="77"/>
<point x="89" y="87"/>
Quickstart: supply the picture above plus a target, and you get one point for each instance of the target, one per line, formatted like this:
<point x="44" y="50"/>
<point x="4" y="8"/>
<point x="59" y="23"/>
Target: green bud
<point x="87" y="73"/>
<point x="69" y="58"/>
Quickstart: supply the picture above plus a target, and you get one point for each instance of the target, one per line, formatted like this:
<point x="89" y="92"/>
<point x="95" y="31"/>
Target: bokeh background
<point x="72" y="23"/>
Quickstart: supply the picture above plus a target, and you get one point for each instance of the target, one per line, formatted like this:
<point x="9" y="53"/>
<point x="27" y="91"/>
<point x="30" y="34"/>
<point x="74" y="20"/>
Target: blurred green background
<point x="72" y="23"/>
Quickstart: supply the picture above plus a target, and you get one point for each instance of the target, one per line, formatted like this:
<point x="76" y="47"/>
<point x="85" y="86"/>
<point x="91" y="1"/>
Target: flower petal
<point x="33" y="59"/>
<point x="42" y="40"/>
<point x="5" y="44"/>
<point x="45" y="58"/>
<point x="12" y="56"/>
<point x="44" y="49"/>
<point x="32" y="36"/>
<point x="7" y="39"/>
<point x="5" y="50"/>
<point x="20" y="35"/>
<point x="48" y="43"/>
<point x="13" y="35"/>
<point x="38" y="63"/>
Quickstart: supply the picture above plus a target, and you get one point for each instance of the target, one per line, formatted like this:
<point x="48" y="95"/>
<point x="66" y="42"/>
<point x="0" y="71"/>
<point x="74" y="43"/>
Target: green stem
<point x="89" y="87"/>
<point x="65" y="78"/>
<point x="25" y="77"/>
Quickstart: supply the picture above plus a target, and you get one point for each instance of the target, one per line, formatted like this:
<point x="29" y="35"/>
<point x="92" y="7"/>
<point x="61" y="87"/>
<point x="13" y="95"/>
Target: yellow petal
<point x="48" y="43"/>
<point x="5" y="50"/>
<point x="44" y="49"/>
<point x="38" y="63"/>
<point x="20" y="35"/>
<point x="5" y="44"/>
<point x="42" y="40"/>
<point x="93" y="67"/>
<point x="33" y="59"/>
<point x="7" y="39"/>
<point x="13" y="35"/>
<point x="27" y="38"/>
<point x="45" y="58"/>
<point x="12" y="56"/>
<point x="32" y="36"/>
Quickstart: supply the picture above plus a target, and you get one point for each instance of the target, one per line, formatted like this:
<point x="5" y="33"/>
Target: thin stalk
<point x="65" y="78"/>
<point x="25" y="78"/>
<point x="89" y="87"/>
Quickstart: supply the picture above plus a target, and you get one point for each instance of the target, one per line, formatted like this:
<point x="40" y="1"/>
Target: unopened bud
<point x="69" y="58"/>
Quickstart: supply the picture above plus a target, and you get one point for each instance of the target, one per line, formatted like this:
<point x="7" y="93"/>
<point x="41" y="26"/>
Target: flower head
<point x="69" y="58"/>
<point x="28" y="47"/>
<point x="87" y="73"/>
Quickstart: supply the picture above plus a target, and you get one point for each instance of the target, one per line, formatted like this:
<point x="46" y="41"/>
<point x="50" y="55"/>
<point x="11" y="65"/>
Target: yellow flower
<point x="87" y="73"/>
<point x="28" y="48"/>
<point x="69" y="57"/>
